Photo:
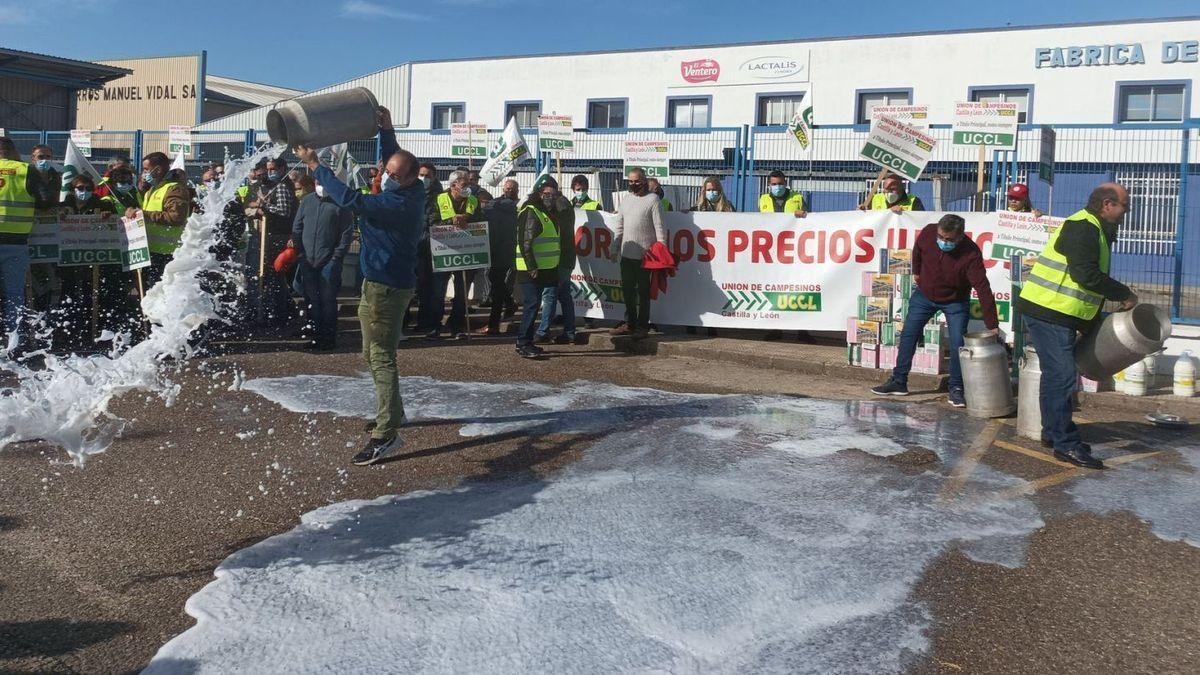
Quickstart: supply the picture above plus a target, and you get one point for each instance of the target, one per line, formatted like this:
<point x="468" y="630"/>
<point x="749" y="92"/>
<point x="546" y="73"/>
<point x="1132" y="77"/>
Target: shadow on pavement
<point x="54" y="637"/>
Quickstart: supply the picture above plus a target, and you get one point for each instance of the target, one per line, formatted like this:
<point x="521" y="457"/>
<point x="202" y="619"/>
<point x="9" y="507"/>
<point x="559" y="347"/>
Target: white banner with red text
<point x="775" y="271"/>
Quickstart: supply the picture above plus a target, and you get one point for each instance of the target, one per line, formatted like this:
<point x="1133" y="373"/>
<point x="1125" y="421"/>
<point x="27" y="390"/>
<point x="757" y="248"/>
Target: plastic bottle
<point x="1185" y="375"/>
<point x="1135" y="379"/>
<point x="1151" y="364"/>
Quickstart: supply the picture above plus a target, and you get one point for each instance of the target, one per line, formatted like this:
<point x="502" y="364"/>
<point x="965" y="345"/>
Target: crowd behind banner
<point x="283" y="238"/>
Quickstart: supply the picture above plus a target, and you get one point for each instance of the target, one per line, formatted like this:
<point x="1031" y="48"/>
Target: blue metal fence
<point x="1158" y="251"/>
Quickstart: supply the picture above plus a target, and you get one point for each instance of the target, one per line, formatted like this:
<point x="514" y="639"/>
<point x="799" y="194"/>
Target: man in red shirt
<point x="947" y="266"/>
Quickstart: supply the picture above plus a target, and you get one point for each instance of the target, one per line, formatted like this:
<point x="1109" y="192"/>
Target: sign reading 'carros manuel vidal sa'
<point x="741" y="67"/>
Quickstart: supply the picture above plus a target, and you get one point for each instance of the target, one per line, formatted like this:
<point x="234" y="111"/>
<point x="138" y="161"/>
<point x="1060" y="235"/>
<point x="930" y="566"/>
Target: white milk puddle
<point x="697" y="534"/>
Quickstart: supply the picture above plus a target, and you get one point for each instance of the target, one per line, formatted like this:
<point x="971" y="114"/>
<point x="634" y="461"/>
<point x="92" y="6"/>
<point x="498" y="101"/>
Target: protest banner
<point x="988" y="124"/>
<point x="898" y="147"/>
<point x="801" y="126"/>
<point x="1021" y="234"/>
<point x="179" y="140"/>
<point x="505" y="154"/>
<point x="468" y="140"/>
<point x="456" y="248"/>
<point x="75" y="164"/>
<point x="556" y="133"/>
<point x="766" y="270"/>
<point x="85" y="239"/>
<point x="912" y="115"/>
<point x="82" y="138"/>
<point x="653" y="157"/>
<point x="135" y="245"/>
<point x="43" y="240"/>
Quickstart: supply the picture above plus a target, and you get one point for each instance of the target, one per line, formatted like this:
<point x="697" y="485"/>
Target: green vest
<point x="879" y="202"/>
<point x="546" y="246"/>
<point x="589" y="205"/>
<point x="115" y="201"/>
<point x="243" y="192"/>
<point x="666" y="204"/>
<point x="794" y="203"/>
<point x="163" y="239"/>
<point x="446" y="206"/>
<point x="16" y="204"/>
<point x="1051" y="286"/>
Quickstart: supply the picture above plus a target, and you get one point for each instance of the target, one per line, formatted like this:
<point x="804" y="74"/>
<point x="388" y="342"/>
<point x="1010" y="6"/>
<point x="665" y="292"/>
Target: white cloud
<point x="10" y="14"/>
<point x="362" y="8"/>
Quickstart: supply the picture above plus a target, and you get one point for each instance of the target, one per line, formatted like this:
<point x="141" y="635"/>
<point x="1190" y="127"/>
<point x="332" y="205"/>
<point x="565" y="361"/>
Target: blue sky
<point x="307" y="43"/>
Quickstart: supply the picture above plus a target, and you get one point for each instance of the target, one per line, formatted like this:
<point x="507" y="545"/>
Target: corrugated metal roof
<point x="250" y="92"/>
<point x="390" y="86"/>
<point x="57" y="70"/>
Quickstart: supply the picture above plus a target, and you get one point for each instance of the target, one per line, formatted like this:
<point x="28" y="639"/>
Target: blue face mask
<point x="386" y="184"/>
<point x="947" y="246"/>
<point x="273" y="176"/>
<point x="83" y="195"/>
<point x="778" y="190"/>
<point x="468" y="190"/>
<point x="148" y="178"/>
<point x="712" y="195"/>
<point x="43" y="164"/>
<point x="124" y="187"/>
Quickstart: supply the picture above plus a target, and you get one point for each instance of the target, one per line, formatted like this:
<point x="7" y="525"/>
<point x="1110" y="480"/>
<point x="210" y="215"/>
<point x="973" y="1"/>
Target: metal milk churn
<point x="325" y="119"/>
<point x="986" y="379"/>
<point x="1122" y="339"/>
<point x="1029" y="408"/>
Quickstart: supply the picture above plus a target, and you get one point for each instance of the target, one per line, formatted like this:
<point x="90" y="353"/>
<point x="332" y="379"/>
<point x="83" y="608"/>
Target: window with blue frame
<point x="867" y="100"/>
<point x="1018" y="95"/>
<point x="777" y="110"/>
<point x="688" y="113"/>
<point x="525" y="113"/>
<point x="607" y="114"/>
<point x="446" y="114"/>
<point x="1150" y="102"/>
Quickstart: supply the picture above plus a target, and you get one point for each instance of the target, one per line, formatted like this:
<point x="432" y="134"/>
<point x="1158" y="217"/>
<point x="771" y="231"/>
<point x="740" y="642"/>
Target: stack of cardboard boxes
<point x="873" y="335"/>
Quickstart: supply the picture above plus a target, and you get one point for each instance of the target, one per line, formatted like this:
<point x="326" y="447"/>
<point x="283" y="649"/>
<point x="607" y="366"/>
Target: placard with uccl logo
<point x="459" y="248"/>
<point x="898" y="147"/>
<point x="985" y="123"/>
<point x="654" y="157"/>
<point x="82" y="138"/>
<point x="556" y="133"/>
<point x="468" y="140"/>
<point x="912" y="115"/>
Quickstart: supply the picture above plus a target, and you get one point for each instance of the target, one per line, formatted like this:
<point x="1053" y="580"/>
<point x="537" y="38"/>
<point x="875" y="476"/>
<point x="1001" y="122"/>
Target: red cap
<point x="1018" y="191"/>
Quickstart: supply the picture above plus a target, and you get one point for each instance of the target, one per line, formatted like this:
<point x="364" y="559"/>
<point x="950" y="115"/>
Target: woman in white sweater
<point x="638" y="225"/>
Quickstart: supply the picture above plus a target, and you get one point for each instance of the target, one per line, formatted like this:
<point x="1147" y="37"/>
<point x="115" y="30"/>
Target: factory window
<point x="688" y="113"/>
<point x="445" y="114"/>
<point x="777" y="109"/>
<point x="867" y="100"/>
<point x="1151" y="101"/>
<point x="1019" y="95"/>
<point x="607" y="114"/>
<point x="526" y="113"/>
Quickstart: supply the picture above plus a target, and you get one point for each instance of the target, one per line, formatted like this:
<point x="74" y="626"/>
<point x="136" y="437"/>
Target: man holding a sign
<point x="455" y="210"/>
<point x="895" y="197"/>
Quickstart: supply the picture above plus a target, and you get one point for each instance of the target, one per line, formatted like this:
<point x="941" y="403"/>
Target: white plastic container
<point x="1135" y="379"/>
<point x="1151" y="365"/>
<point x="1185" y="375"/>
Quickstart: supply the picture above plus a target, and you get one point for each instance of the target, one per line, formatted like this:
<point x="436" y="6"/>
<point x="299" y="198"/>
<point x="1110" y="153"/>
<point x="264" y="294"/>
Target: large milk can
<point x="986" y="379"/>
<point x="1029" y="407"/>
<point x="1122" y="339"/>
<point x="325" y="119"/>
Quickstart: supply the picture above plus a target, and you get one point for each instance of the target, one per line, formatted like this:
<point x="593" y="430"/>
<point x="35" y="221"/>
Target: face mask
<point x="148" y="178"/>
<point x="712" y="195"/>
<point x="320" y="190"/>
<point x="892" y="197"/>
<point x="212" y="184"/>
<point x="83" y="195"/>
<point x="548" y="201"/>
<point x="43" y="164"/>
<point x="386" y="184"/>
<point x="426" y="181"/>
<point x="580" y="195"/>
<point x="467" y="191"/>
<point x="947" y="246"/>
<point x="273" y="176"/>
<point x="778" y="190"/>
<point x="636" y="187"/>
<point x="124" y="187"/>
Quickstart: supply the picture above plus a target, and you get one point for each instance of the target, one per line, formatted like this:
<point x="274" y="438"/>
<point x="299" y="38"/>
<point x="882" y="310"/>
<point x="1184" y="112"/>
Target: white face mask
<point x="320" y="190"/>
<point x="893" y="197"/>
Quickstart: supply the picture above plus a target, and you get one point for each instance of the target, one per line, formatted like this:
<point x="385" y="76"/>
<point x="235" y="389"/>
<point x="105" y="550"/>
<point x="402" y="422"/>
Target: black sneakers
<point x="890" y="388"/>
<point x="529" y="352"/>
<point x="958" y="398"/>
<point x="1080" y="455"/>
<point x="376" y="449"/>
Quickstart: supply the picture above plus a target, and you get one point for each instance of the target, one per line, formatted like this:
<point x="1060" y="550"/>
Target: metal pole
<point x="1180" y="228"/>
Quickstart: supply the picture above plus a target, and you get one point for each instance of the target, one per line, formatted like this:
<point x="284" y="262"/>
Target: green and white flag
<point x="505" y="155"/>
<point x="343" y="164"/>
<point x="180" y="164"/>
<point x="802" y="122"/>
<point x="542" y="177"/>
<point x="74" y="164"/>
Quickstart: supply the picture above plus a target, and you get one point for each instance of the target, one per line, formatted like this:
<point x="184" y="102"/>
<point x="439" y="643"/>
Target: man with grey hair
<point x="455" y="207"/>
<point x="638" y="226"/>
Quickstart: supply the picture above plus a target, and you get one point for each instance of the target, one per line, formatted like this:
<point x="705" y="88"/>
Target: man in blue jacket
<point x="391" y="225"/>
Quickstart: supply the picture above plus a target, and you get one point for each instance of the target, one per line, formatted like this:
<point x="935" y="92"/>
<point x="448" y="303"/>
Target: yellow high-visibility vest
<point x="879" y="202"/>
<point x="1051" y="286"/>
<point x="794" y="203"/>
<point x="163" y="239"/>
<point x="546" y="246"/>
<point x="446" y="206"/>
<point x="16" y="203"/>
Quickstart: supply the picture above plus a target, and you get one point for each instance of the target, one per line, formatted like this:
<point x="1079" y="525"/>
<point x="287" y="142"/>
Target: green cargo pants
<point x="381" y="315"/>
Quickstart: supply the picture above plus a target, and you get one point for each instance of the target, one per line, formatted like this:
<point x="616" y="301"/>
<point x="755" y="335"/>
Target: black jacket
<point x="1080" y="244"/>
<point x="502" y="230"/>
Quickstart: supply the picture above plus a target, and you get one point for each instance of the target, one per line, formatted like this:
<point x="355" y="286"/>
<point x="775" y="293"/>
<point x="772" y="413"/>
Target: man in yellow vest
<point x="455" y="207"/>
<point x="21" y="191"/>
<point x="894" y="196"/>
<point x="580" y="198"/>
<point x="166" y="206"/>
<point x="779" y="198"/>
<point x="1063" y="295"/>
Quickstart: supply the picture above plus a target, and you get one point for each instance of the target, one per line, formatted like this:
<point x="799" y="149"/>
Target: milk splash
<point x="66" y="404"/>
